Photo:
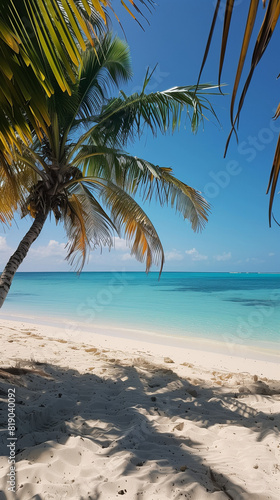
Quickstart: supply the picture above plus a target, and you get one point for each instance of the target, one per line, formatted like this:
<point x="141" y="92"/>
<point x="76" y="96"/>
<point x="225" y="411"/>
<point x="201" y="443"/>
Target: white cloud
<point x="224" y="256"/>
<point x="191" y="252"/>
<point x="127" y="256"/>
<point x="173" y="255"/>
<point x="120" y="244"/>
<point x="195" y="255"/>
<point x="52" y="249"/>
<point x="198" y="256"/>
<point x="3" y="244"/>
<point x="256" y="260"/>
<point x="271" y="254"/>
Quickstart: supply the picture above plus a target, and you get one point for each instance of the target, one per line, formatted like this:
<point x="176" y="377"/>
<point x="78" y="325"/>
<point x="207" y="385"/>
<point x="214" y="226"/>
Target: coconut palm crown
<point x="80" y="174"/>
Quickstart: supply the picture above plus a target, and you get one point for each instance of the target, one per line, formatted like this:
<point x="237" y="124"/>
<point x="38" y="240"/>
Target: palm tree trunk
<point x="20" y="253"/>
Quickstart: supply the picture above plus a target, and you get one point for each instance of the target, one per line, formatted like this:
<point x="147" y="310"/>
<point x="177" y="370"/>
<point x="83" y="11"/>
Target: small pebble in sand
<point x="183" y="468"/>
<point x="168" y="360"/>
<point x="179" y="427"/>
<point x="192" y="392"/>
<point x="242" y="389"/>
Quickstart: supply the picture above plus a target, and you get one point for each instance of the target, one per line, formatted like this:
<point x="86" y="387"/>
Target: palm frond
<point x="132" y="222"/>
<point x="108" y="68"/>
<point x="15" y="185"/>
<point x="9" y="194"/>
<point x="129" y="220"/>
<point x="125" y="117"/>
<point x="87" y="225"/>
<point x="136" y="175"/>
<point x="273" y="179"/>
<point x="35" y="40"/>
<point x="169" y="190"/>
<point x="133" y="11"/>
<point x="40" y="38"/>
<point x="103" y="68"/>
<point x="261" y="42"/>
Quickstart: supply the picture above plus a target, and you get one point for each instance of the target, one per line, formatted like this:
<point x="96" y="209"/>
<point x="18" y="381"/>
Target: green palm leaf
<point x="125" y="117"/>
<point x="103" y="69"/>
<point x="136" y="175"/>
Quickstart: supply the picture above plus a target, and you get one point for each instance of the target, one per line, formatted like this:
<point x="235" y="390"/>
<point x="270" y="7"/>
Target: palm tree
<point x="89" y="183"/>
<point x="262" y="39"/>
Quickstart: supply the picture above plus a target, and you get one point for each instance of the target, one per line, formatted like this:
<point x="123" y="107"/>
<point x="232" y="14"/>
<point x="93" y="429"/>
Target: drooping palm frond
<point x="15" y="185"/>
<point x="86" y="223"/>
<point x="273" y="179"/>
<point x="133" y="7"/>
<point x="136" y="175"/>
<point x="9" y="195"/>
<point x="185" y="199"/>
<point x="135" y="226"/>
<point x="270" y="18"/>
<point x="126" y="217"/>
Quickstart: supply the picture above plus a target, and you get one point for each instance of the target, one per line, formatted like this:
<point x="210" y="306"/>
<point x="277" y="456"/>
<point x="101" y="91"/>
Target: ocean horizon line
<point x="150" y="272"/>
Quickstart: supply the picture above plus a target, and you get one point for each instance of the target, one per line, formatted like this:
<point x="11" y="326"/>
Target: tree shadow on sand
<point x="133" y="420"/>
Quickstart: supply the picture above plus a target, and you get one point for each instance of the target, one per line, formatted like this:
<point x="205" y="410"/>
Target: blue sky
<point x="237" y="237"/>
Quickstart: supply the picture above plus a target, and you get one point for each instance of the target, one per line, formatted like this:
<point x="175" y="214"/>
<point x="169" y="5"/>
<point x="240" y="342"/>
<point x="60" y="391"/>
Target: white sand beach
<point x="104" y="417"/>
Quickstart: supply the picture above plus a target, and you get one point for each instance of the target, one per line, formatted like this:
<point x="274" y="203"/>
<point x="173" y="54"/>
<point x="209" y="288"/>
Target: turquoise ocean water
<point x="241" y="308"/>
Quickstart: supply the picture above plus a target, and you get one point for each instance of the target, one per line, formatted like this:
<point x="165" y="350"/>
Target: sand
<point x="102" y="417"/>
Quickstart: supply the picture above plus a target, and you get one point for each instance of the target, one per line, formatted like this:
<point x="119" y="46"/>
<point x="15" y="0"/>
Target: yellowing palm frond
<point x="15" y="184"/>
<point x="87" y="225"/>
<point x="270" y="19"/>
<point x="128" y="219"/>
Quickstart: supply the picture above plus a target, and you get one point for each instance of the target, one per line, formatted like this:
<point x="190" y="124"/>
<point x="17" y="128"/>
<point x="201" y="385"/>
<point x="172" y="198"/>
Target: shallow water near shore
<point x="226" y="307"/>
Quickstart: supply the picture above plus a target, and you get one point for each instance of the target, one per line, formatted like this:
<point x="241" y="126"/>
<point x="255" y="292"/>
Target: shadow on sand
<point x="137" y="419"/>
